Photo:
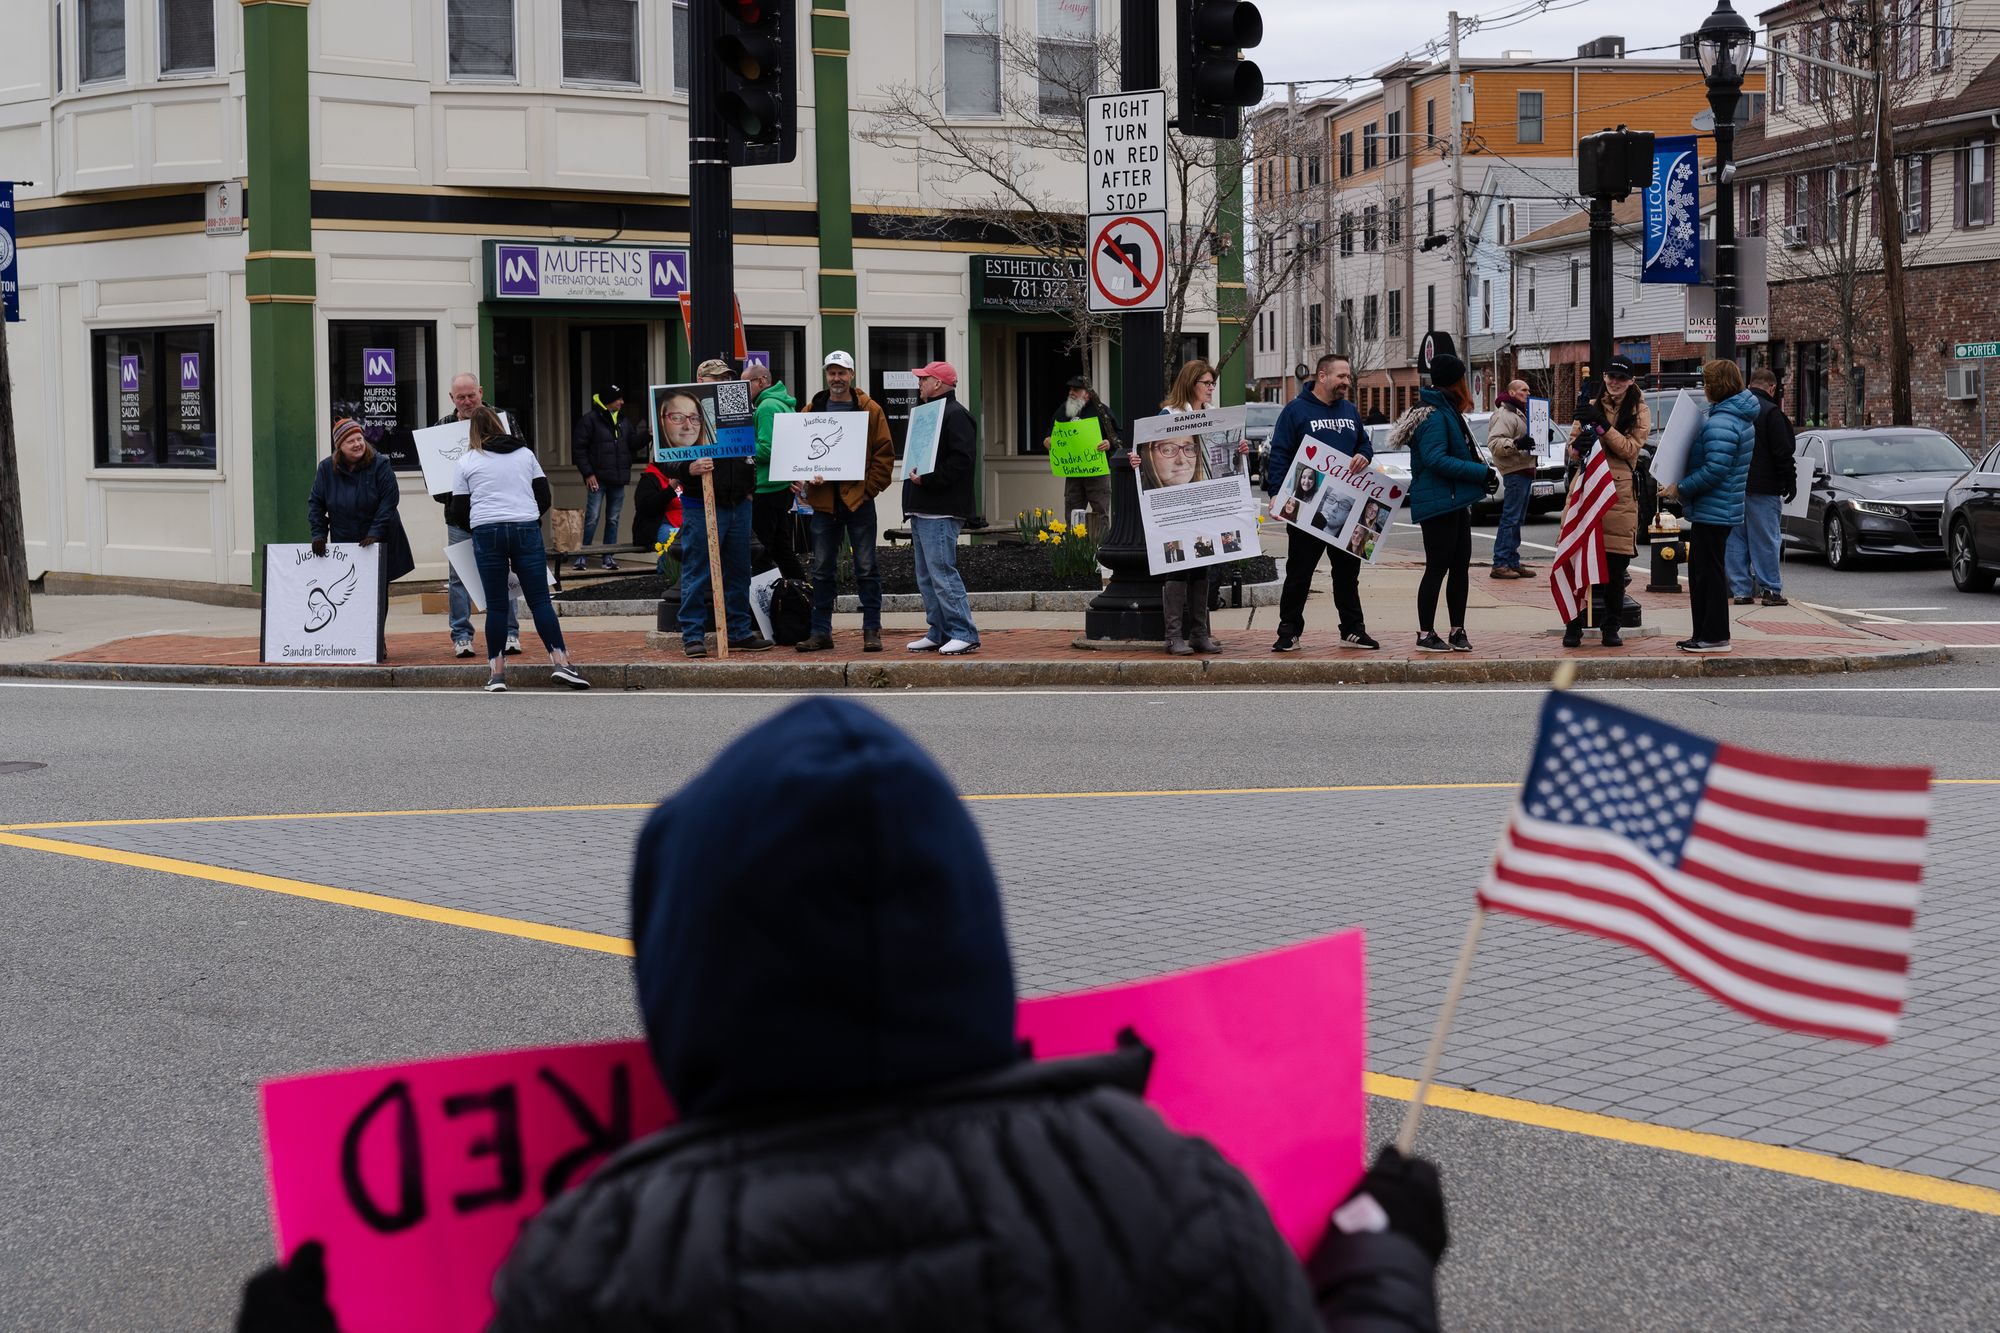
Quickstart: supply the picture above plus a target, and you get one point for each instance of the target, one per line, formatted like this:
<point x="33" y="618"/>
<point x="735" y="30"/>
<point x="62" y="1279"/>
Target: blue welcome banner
<point x="10" y="285"/>
<point x="1673" y="214"/>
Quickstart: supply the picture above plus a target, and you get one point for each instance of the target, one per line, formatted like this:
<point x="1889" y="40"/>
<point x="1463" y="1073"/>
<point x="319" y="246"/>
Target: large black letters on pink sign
<point x="409" y="1163"/>
<point x="503" y="1143"/>
<point x="601" y="1138"/>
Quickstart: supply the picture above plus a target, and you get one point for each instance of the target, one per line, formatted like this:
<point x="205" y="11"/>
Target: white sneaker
<point x="924" y="645"/>
<point x="513" y="648"/>
<point x="461" y="647"/>
<point x="957" y="648"/>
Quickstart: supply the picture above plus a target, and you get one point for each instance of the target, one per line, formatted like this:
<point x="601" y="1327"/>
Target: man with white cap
<point x="846" y="510"/>
<point x="937" y="504"/>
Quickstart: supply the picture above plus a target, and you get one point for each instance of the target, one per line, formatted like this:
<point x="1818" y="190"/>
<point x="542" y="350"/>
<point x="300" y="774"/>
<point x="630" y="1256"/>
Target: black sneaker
<point x="695" y="649"/>
<point x="1459" y="643"/>
<point x="1776" y="599"/>
<point x="1429" y="642"/>
<point x="1743" y="601"/>
<point x="1705" y="646"/>
<point x="1285" y="644"/>
<point x="1359" y="639"/>
<point x="496" y="684"/>
<point x="756" y="643"/>
<point x="570" y="676"/>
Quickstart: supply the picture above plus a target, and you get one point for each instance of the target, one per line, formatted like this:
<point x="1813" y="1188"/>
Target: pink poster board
<point x="418" y="1177"/>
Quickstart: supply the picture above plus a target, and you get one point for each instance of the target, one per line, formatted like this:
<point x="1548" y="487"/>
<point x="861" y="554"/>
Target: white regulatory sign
<point x="1127" y="262"/>
<point x="1126" y="134"/>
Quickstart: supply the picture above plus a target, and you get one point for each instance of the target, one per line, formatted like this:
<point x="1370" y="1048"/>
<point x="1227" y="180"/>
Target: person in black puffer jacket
<point x="863" y="1143"/>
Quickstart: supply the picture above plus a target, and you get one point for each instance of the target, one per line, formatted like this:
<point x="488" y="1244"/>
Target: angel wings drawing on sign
<point x="323" y="604"/>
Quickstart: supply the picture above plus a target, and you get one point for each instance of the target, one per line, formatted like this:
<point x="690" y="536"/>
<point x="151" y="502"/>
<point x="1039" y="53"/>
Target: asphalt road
<point x="143" y="1010"/>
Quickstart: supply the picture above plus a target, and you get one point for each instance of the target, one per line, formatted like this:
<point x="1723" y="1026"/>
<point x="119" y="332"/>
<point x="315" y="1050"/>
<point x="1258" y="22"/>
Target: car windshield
<point x="1262" y="416"/>
<point x="1905" y="451"/>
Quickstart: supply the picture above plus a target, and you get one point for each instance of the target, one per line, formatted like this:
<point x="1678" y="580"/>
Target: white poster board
<point x="1545" y="448"/>
<point x="920" y="445"/>
<point x="832" y="445"/>
<point x="1349" y="509"/>
<point x="761" y="588"/>
<point x="465" y="564"/>
<point x="322" y="609"/>
<point x="1193" y="517"/>
<point x="438" y="449"/>
<point x="1800" y="504"/>
<point x="1677" y="437"/>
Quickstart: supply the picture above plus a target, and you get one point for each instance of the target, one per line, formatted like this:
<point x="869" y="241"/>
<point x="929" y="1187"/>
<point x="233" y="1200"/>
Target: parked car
<point x="1259" y="419"/>
<point x="1970" y="525"/>
<point x="1550" y="484"/>
<point x="1874" y="492"/>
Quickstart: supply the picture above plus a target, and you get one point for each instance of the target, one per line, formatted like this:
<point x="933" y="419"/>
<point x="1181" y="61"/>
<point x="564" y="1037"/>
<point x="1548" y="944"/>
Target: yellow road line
<point x="326" y="893"/>
<point x="1743" y="1152"/>
<point x="1786" y="1161"/>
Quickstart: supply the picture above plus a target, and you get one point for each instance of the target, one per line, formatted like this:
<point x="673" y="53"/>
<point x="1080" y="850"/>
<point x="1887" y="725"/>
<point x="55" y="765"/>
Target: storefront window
<point x="384" y="375"/>
<point x="785" y="346"/>
<point x="1044" y="363"/>
<point x="155" y="397"/>
<point x="892" y="355"/>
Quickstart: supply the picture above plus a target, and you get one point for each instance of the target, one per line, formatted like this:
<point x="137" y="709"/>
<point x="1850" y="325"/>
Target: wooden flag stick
<point x="715" y="568"/>
<point x="1406" y="1137"/>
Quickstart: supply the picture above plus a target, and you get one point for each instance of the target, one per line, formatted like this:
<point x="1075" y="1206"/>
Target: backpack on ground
<point x="791" y="611"/>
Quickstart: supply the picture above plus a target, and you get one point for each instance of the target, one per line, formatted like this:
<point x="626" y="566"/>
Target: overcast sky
<point x="1321" y="39"/>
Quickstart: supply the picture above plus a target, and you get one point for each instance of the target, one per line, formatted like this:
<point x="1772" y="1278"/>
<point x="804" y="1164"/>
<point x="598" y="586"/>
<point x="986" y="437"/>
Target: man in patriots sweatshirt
<point x="1320" y="413"/>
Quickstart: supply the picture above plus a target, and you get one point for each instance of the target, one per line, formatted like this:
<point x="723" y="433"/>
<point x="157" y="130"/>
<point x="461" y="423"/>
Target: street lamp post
<point x="1723" y="45"/>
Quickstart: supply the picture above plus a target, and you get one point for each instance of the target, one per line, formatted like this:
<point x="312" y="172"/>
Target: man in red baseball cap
<point x="937" y="505"/>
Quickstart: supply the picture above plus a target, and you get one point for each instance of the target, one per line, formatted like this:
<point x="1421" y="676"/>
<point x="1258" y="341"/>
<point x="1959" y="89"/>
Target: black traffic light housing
<point x="756" y="47"/>
<point x="1216" y="82"/>
<point x="1611" y="164"/>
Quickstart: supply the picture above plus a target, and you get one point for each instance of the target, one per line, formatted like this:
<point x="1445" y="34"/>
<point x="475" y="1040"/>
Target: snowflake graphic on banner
<point x="1678" y="249"/>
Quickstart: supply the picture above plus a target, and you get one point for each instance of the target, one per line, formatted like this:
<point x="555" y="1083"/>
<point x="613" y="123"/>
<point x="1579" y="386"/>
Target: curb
<point x="906" y="673"/>
<point x="909" y="603"/>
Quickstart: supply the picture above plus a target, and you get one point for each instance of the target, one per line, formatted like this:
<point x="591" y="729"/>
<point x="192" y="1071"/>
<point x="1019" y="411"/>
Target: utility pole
<point x="17" y="609"/>
<point x="1601" y="295"/>
<point x="711" y="253"/>
<point x="1901" y="410"/>
<point x="1294" y="293"/>
<point x="1457" y="195"/>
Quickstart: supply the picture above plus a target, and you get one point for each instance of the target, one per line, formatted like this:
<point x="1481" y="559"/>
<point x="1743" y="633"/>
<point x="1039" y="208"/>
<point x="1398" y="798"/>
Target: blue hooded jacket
<point x="1718" y="465"/>
<point x="1337" y="425"/>
<point x="816" y="921"/>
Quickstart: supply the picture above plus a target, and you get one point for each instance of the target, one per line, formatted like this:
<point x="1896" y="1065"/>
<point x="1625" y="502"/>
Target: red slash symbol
<point x="1128" y="255"/>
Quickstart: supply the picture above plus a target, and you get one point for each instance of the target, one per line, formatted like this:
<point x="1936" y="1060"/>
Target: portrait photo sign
<point x="1194" y="490"/>
<point x="692" y="421"/>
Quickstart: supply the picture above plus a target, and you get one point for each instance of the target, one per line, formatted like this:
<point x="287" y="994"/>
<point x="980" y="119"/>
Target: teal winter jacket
<point x="1718" y="466"/>
<point x="1445" y="471"/>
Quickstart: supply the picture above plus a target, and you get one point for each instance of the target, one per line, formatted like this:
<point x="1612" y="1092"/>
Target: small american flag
<point x="1784" y="887"/>
<point x="1579" y="558"/>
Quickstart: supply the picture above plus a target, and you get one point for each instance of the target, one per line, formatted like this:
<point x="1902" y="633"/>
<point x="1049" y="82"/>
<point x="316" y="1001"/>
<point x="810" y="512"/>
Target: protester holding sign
<point x="864" y="1145"/>
<point x="845" y="511"/>
<point x="694" y="457"/>
<point x="1619" y="423"/>
<point x="354" y="499"/>
<point x="771" y="504"/>
<point x="1080" y="490"/>
<point x="1323" y="415"/>
<point x="1446" y="480"/>
<point x="467" y="397"/>
<point x="937" y="502"/>
<point x="500" y="493"/>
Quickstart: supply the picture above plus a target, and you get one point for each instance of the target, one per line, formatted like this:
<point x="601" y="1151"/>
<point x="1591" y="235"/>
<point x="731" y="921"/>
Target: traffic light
<point x="757" y="49"/>
<point x="1216" y="82"/>
<point x="1611" y="164"/>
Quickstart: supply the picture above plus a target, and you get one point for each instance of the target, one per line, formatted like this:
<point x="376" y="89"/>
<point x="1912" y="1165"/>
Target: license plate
<point x="1544" y="488"/>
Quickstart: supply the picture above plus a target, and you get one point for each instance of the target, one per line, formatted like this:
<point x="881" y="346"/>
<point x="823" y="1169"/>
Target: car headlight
<point x="1876" y="507"/>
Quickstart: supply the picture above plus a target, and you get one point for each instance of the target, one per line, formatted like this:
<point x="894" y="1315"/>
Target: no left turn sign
<point x="1128" y="260"/>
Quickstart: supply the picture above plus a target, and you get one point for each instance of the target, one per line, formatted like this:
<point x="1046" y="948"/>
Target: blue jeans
<point x="500" y="546"/>
<point x="610" y="499"/>
<point x="1515" y="490"/>
<point x="1753" y="559"/>
<point x="947" y="610"/>
<point x="732" y="532"/>
<point x="857" y="527"/>
<point x="461" y="600"/>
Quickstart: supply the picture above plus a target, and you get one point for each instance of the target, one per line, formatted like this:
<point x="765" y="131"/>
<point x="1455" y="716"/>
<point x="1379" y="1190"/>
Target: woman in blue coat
<point x="354" y="499"/>
<point x="1711" y="495"/>
<point x="1446" y="480"/>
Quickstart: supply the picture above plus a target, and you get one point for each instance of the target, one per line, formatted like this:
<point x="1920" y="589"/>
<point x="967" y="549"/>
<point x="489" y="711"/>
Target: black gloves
<point x="367" y="542"/>
<point x="1410" y="1192"/>
<point x="319" y="546"/>
<point x="289" y="1299"/>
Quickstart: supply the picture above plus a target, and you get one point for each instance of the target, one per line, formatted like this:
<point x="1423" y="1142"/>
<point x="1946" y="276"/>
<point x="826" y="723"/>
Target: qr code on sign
<point x="732" y="399"/>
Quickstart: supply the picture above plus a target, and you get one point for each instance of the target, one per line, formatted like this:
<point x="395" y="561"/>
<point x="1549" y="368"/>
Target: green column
<point x="1229" y="270"/>
<point x="279" y="274"/>
<point x="837" y="285"/>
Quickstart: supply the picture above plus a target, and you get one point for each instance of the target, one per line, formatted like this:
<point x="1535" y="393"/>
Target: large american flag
<point x="1579" y="558"/>
<point x="1784" y="887"/>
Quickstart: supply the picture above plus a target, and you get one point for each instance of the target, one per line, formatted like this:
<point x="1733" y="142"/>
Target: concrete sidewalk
<point x="1512" y="626"/>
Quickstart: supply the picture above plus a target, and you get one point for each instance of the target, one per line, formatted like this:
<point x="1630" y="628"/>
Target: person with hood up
<point x="499" y="491"/>
<point x="1513" y="455"/>
<point x="771" y="502"/>
<point x="1323" y="414"/>
<point x="1446" y="480"/>
<point x="356" y="498"/>
<point x="1618" y="422"/>
<point x="1711" y="494"/>
<point x="602" y="447"/>
<point x="1083" y="404"/>
<point x="863" y="1142"/>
